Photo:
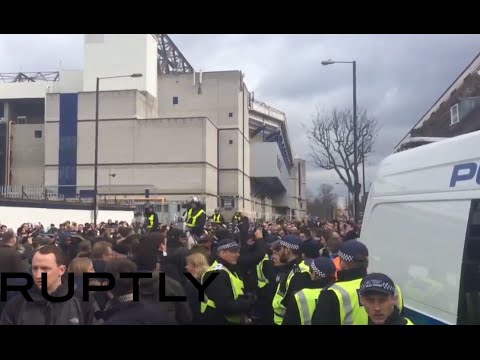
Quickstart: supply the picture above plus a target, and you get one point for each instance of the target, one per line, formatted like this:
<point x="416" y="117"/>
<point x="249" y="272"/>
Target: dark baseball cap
<point x="322" y="267"/>
<point x="378" y="283"/>
<point x="228" y="245"/>
<point x="352" y="250"/>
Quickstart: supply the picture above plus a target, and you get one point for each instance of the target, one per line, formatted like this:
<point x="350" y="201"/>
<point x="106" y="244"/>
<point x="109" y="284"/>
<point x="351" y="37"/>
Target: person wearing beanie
<point x="300" y="311"/>
<point x="378" y="297"/>
<point x="295" y="275"/>
<point x="225" y="300"/>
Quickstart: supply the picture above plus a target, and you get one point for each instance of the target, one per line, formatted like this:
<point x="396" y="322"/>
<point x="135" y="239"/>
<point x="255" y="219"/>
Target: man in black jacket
<point x="48" y="259"/>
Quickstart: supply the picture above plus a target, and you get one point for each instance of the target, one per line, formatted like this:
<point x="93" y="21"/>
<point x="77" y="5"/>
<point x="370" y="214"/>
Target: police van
<point x="422" y="227"/>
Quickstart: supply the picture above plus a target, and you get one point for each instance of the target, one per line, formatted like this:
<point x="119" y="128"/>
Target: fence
<point x="51" y="193"/>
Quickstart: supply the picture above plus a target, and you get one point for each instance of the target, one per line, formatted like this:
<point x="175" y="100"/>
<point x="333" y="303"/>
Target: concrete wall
<point x="219" y="96"/>
<point x="298" y="181"/>
<point x="143" y="152"/>
<point x="265" y="158"/>
<point x="14" y="217"/>
<point x="294" y="186"/>
<point x="28" y="155"/>
<point x="112" y="105"/>
<point x="224" y="102"/>
<point x="24" y="90"/>
<point x="102" y="56"/>
<point x="147" y="106"/>
<point x="71" y="81"/>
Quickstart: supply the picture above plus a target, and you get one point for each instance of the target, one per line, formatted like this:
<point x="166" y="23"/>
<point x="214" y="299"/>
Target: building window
<point x="230" y="114"/>
<point x="38" y="134"/>
<point x="454" y="116"/>
<point x="230" y="142"/>
<point x="175" y="100"/>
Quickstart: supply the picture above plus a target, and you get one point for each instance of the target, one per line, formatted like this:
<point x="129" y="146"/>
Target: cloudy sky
<point x="398" y="76"/>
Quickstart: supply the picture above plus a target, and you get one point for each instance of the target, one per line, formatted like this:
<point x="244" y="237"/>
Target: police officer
<point x="339" y="304"/>
<point x="218" y="218"/>
<point x="295" y="275"/>
<point x="196" y="218"/>
<point x="151" y="219"/>
<point x="237" y="218"/>
<point x="377" y="295"/>
<point x="225" y="300"/>
<point x="300" y="311"/>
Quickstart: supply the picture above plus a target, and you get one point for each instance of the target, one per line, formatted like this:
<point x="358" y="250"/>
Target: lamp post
<point x="355" y="135"/>
<point x="95" y="186"/>
<point x="364" y="202"/>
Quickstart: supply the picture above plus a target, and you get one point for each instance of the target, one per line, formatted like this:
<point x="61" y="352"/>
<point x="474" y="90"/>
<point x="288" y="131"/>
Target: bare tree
<point x="324" y="204"/>
<point x="326" y="194"/>
<point x="331" y="142"/>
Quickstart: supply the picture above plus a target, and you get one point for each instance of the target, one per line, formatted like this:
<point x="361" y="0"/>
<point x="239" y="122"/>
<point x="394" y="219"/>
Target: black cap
<point x="291" y="242"/>
<point x="322" y="266"/>
<point x="228" y="245"/>
<point x="351" y="250"/>
<point x="377" y="282"/>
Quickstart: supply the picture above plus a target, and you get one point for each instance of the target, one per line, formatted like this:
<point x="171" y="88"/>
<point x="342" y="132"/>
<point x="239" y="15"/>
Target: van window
<point x="419" y="244"/>
<point x="469" y="296"/>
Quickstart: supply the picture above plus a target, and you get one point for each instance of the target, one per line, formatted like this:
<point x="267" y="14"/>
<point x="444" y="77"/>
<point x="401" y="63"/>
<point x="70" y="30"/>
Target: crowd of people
<point x="305" y="272"/>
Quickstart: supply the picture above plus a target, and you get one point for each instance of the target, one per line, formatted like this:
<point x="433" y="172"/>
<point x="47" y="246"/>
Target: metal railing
<point x="53" y="193"/>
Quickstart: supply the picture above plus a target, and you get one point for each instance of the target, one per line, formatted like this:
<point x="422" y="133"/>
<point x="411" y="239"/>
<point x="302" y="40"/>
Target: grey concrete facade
<point x="197" y="136"/>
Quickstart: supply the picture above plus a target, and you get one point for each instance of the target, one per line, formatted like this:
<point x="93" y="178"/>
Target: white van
<point x="422" y="228"/>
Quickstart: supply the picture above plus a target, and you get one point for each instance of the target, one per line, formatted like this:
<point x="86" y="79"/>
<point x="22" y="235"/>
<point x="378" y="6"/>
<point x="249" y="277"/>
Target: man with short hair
<point x="50" y="260"/>
<point x="377" y="295"/>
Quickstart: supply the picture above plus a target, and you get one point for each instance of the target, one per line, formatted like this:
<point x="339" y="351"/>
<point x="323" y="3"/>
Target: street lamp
<point x="364" y="202"/>
<point x="97" y="93"/>
<point x="355" y="135"/>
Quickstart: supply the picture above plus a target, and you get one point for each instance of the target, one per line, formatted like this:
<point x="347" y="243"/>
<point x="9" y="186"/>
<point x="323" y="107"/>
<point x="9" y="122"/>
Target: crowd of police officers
<point x="290" y="273"/>
<point x="305" y="272"/>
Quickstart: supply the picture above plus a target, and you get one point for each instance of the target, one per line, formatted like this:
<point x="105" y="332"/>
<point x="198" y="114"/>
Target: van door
<point x="469" y="297"/>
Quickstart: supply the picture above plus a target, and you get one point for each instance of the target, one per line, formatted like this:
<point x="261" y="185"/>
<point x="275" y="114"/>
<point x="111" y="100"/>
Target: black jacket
<point x="136" y="313"/>
<point x="250" y="257"/>
<point x="18" y="311"/>
<point x="178" y="311"/>
<point x="327" y="311"/>
<point x="220" y="292"/>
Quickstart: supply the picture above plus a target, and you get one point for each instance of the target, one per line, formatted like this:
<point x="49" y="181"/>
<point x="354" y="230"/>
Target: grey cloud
<point x="399" y="76"/>
<point x="40" y="52"/>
